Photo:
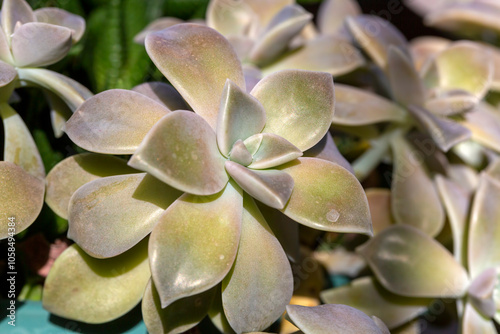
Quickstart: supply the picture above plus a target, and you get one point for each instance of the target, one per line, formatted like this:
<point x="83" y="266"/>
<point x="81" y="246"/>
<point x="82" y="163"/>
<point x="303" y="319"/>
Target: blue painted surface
<point x="31" y="318"/>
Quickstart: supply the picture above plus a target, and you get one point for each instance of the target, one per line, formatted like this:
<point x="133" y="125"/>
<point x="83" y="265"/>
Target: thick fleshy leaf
<point x="464" y="175"/>
<point x="480" y="292"/>
<point x="37" y="44"/>
<point x="406" y="86"/>
<point x="484" y="230"/>
<point x="112" y="286"/>
<point x="330" y="54"/>
<point x="444" y="132"/>
<point x="59" y="113"/>
<point x="368" y="296"/>
<point x="286" y="25"/>
<point x="162" y="93"/>
<point x="72" y="92"/>
<point x="332" y="14"/>
<point x="415" y="200"/>
<point x="231" y="18"/>
<point x="464" y="66"/>
<point x="425" y="48"/>
<point x="299" y="105"/>
<point x="272" y="151"/>
<point x="110" y="215"/>
<point x="331" y="318"/>
<point x="355" y="106"/>
<point x="473" y="322"/>
<point x="174" y="318"/>
<point x="340" y="261"/>
<point x="271" y="187"/>
<point x="451" y="103"/>
<point x="484" y="123"/>
<point x="379" y="200"/>
<point x="240" y="116"/>
<point x="7" y="73"/>
<point x="467" y="19"/>
<point x="260" y="285"/>
<point x="62" y="18"/>
<point x="456" y="201"/>
<point x="493" y="169"/>
<point x="327" y="197"/>
<point x="194" y="244"/>
<point x="217" y="316"/>
<point x="239" y="153"/>
<point x="156" y="25"/>
<point x="197" y="60"/>
<point x="375" y="35"/>
<point x="19" y="146"/>
<point x="14" y="11"/>
<point x="21" y="197"/>
<point x="181" y="150"/>
<point x="114" y="122"/>
<point x="73" y="172"/>
<point x="495" y="54"/>
<point x="399" y="257"/>
<point x="326" y="149"/>
<point x="266" y="10"/>
<point x="5" y="52"/>
<point x="252" y="76"/>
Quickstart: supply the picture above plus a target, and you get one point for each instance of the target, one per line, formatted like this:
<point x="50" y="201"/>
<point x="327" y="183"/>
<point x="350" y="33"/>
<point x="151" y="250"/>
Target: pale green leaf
<point x="473" y="322"/>
<point x="82" y="288"/>
<point x="484" y="124"/>
<point x="272" y="151"/>
<point x="299" y="105"/>
<point x="410" y="263"/>
<point x="156" y="25"/>
<point x="194" y="243"/>
<point x="231" y="18"/>
<point x="327" y="197"/>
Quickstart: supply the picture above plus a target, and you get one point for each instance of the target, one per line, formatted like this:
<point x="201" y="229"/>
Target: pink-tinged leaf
<point x="332" y="14"/>
<point x="260" y="284"/>
<point x="240" y="116"/>
<point x="481" y="290"/>
<point x="14" y="11"/>
<point x="181" y="150"/>
<point x="114" y="122"/>
<point x="473" y="322"/>
<point x="423" y="49"/>
<point x="379" y="200"/>
<point x="60" y="17"/>
<point x="194" y="244"/>
<point x="272" y="150"/>
<point x="451" y="103"/>
<point x="484" y="123"/>
<point x="299" y="105"/>
<point x="410" y="263"/>
<point x="156" y="25"/>
<point x="326" y="149"/>
<point x="327" y="197"/>
<point x="37" y="44"/>
<point x="110" y="215"/>
<point x="21" y="198"/>
<point x="231" y="18"/>
<point x="271" y="187"/>
<point x="197" y="61"/>
<point x="162" y="93"/>
<point x="7" y="73"/>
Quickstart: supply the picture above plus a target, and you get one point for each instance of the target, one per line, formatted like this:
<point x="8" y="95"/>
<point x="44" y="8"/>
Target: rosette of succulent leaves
<point x="194" y="213"/>
<point x="411" y="269"/>
<point x="29" y="40"/>
<point x="269" y="36"/>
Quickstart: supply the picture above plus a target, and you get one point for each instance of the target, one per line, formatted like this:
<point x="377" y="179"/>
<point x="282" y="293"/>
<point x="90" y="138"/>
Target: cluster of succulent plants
<point x="202" y="194"/>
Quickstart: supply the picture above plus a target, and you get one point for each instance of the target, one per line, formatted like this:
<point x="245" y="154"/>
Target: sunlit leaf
<point x="332" y="13"/>
<point x="19" y="146"/>
<point x="231" y="18"/>
<point x="181" y="150"/>
<point x="299" y="105"/>
<point x="194" y="244"/>
<point x="82" y="288"/>
<point x="174" y="318"/>
<point x="410" y="263"/>
<point x="162" y="93"/>
<point x="480" y="292"/>
<point x="327" y="197"/>
<point x="110" y="215"/>
<point x="197" y="61"/>
<point x="415" y="200"/>
<point x="240" y="116"/>
<point x="484" y="123"/>
<point x="260" y="285"/>
<point x="115" y="121"/>
<point x="240" y="154"/>
<point x="272" y="151"/>
<point x="21" y="197"/>
<point x="368" y="296"/>
<point x="473" y="322"/>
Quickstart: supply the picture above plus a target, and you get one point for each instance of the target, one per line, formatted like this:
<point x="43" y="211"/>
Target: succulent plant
<point x="30" y="39"/>
<point x="411" y="268"/>
<point x="280" y="35"/>
<point x="201" y="174"/>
